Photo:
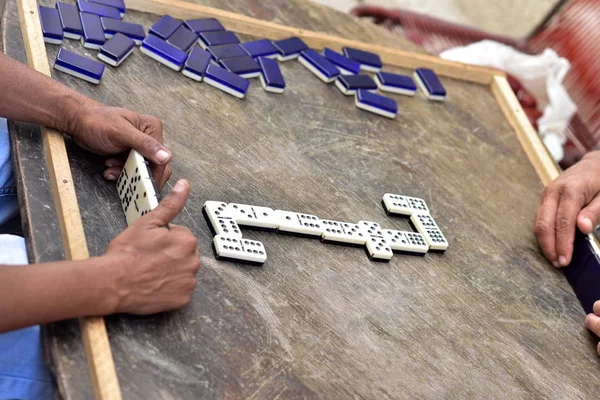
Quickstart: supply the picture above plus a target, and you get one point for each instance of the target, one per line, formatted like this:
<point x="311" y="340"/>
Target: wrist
<point x="73" y="110"/>
<point x="103" y="272"/>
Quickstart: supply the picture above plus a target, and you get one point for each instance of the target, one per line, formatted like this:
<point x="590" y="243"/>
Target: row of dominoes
<point x="225" y="221"/>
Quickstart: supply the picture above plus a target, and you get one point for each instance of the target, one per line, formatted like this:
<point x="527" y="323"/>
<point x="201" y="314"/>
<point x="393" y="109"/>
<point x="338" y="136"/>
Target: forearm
<point x="43" y="293"/>
<point x="29" y="96"/>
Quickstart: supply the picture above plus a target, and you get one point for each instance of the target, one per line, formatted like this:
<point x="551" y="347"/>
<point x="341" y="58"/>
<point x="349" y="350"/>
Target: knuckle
<point x="542" y="228"/>
<point x="563" y="224"/>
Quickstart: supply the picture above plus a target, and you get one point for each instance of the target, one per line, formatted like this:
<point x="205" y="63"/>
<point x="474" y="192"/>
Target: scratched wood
<point x="487" y="319"/>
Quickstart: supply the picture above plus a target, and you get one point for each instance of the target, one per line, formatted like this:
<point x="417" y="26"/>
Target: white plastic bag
<point x="541" y="75"/>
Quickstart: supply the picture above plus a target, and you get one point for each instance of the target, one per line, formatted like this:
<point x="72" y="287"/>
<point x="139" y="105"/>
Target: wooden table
<point x="487" y="319"/>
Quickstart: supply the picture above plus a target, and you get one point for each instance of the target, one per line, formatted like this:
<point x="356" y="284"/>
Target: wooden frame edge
<point x="101" y="366"/>
<point x="270" y="30"/>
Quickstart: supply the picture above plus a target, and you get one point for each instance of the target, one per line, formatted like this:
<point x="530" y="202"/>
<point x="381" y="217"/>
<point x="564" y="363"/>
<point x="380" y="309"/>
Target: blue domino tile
<point x="431" y="82"/>
<point x="116" y="50"/>
<point x="93" y="33"/>
<point x="245" y="66"/>
<point x="260" y="48"/>
<point x="69" y="20"/>
<point x="165" y="27"/>
<point x="98" y="9"/>
<point x="289" y="48"/>
<point x="395" y="83"/>
<point x="118" y="4"/>
<point x="163" y="52"/>
<point x="344" y="64"/>
<point x="218" y="38"/>
<point x="377" y="102"/>
<point x="67" y="61"/>
<point x="222" y="77"/>
<point x="51" y="26"/>
<point x="113" y="26"/>
<point x="321" y="67"/>
<point x="349" y="84"/>
<point x="203" y="25"/>
<point x="183" y="39"/>
<point x="368" y="61"/>
<point x="226" y="51"/>
<point x="271" y="77"/>
<point x="196" y="64"/>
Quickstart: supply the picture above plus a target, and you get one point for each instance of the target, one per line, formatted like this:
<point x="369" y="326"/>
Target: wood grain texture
<point x="97" y="348"/>
<point x="321" y="321"/>
<point x="270" y="30"/>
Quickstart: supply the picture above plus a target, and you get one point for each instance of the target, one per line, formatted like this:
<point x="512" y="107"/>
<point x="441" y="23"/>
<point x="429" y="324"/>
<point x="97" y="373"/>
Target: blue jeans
<point x="23" y="373"/>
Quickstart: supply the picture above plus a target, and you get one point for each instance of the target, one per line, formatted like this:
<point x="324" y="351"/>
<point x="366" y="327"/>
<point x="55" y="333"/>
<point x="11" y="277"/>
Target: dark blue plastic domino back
<point x="80" y="64"/>
<point x="320" y="63"/>
<point x="50" y="20"/>
<point x="396" y="80"/>
<point x="165" y="27"/>
<point x="363" y="57"/>
<point x="341" y="61"/>
<point x="431" y="82"/>
<point x="356" y="82"/>
<point x="69" y="18"/>
<point x="183" y="38"/>
<point x="271" y="73"/>
<point x="377" y="101"/>
<point x="117" y="47"/>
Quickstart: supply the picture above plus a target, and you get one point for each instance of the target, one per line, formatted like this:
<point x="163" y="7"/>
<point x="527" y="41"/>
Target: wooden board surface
<point x="489" y="318"/>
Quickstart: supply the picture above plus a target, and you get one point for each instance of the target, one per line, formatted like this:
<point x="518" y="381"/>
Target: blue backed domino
<point x="430" y="84"/>
<point x="224" y="51"/>
<point x="368" y="61"/>
<point x="93" y="33"/>
<point x="98" y="9"/>
<point x="51" y="26"/>
<point x="79" y="66"/>
<point x="161" y="51"/>
<point x="219" y="221"/>
<point x="376" y="103"/>
<point x="319" y="65"/>
<point x="183" y="39"/>
<point x="395" y="83"/>
<point x="216" y="38"/>
<point x="113" y="26"/>
<point x="298" y="224"/>
<point x="70" y="21"/>
<point x="260" y="48"/>
<point x="203" y="25"/>
<point x="271" y="77"/>
<point x="343" y="233"/>
<point x="136" y="188"/>
<point x="118" y="4"/>
<point x="226" y="81"/>
<point x="116" y="50"/>
<point x="239" y="250"/>
<point x="349" y="84"/>
<point x="290" y="48"/>
<point x="406" y="242"/>
<point x="403" y="205"/>
<point x="244" y="66"/>
<point x="344" y="64"/>
<point x="426" y="226"/>
<point x="165" y="27"/>
<point x="196" y="64"/>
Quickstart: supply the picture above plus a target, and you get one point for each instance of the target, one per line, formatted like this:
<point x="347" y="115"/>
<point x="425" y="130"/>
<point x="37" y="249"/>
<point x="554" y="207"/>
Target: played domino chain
<point x="220" y="59"/>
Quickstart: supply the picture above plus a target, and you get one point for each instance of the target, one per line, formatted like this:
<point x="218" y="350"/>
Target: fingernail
<point x="162" y="155"/>
<point x="562" y="260"/>
<point x="111" y="177"/>
<point x="179" y="186"/>
<point x="588" y="223"/>
<point x="556" y="264"/>
<point x="109" y="164"/>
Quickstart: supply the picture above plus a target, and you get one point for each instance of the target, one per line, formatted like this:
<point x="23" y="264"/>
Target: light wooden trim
<point x="529" y="138"/>
<point x="269" y="30"/>
<point x="95" y="338"/>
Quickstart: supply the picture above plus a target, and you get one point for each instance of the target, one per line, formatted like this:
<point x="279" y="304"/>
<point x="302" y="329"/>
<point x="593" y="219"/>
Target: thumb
<point x="147" y="146"/>
<point x="589" y="216"/>
<point x="171" y="205"/>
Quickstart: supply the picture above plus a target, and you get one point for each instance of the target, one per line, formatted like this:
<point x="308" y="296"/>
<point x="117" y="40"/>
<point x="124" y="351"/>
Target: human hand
<point x="571" y="200"/>
<point x="592" y="322"/>
<point x="154" y="267"/>
<point x="108" y="131"/>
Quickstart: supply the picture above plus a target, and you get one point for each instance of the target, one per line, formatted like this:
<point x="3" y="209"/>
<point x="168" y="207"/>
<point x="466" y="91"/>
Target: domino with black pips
<point x="165" y="27"/>
<point x="349" y="84"/>
<point x="219" y="222"/>
<point x="203" y="25"/>
<point x="226" y="81"/>
<point x="196" y="64"/>
<point x="344" y="64"/>
<point x="260" y="48"/>
<point x="98" y="9"/>
<point x="396" y="83"/>
<point x="163" y="52"/>
<point x="319" y="65"/>
<point x="70" y="21"/>
<point x="93" y="32"/>
<point x="430" y="84"/>
<point x="255" y="217"/>
<point x="271" y="78"/>
<point x="245" y="67"/>
<point x="79" y="66"/>
<point x="406" y="242"/>
<point x="378" y="249"/>
<point x="118" y="4"/>
<point x="216" y="38"/>
<point x="113" y="26"/>
<point x="183" y="39"/>
<point x="239" y="250"/>
<point x="224" y="51"/>
<point x="298" y="224"/>
<point x="375" y="103"/>
<point x="290" y="48"/>
<point x="136" y="188"/>
<point x="51" y="26"/>
<point x="370" y="62"/>
<point x="403" y="205"/>
<point x="344" y="233"/>
<point x="116" y="50"/>
<point x="425" y="225"/>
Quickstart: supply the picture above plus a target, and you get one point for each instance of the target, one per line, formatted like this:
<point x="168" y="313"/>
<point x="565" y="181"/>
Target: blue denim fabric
<point x="23" y="373"/>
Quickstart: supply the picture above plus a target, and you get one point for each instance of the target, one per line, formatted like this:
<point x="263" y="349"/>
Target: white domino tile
<point x="253" y="216"/>
<point x="404" y="205"/>
<point x="410" y="242"/>
<point x="379" y="248"/>
<point x="425" y="225"/>
<point x="298" y="223"/>
<point x="342" y="232"/>
<point x="239" y="249"/>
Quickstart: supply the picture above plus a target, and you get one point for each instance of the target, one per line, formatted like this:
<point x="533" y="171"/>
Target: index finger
<point x="566" y="219"/>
